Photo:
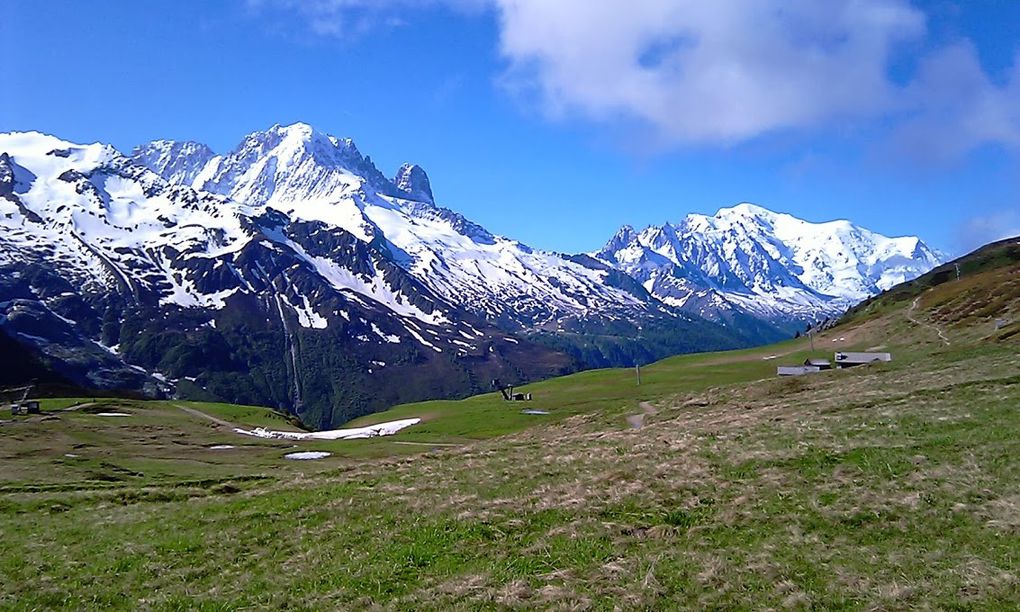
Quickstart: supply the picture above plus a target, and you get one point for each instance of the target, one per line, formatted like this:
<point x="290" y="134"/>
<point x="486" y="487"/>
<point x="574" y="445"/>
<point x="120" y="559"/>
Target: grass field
<point x="887" y="486"/>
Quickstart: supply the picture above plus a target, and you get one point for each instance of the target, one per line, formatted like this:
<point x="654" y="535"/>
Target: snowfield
<point x="369" y="431"/>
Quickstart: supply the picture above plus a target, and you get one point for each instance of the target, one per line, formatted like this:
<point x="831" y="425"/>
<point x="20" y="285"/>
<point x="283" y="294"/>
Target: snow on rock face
<point x="287" y="164"/>
<point x="106" y="221"/>
<point x="313" y="177"/>
<point x="113" y="224"/>
<point x="6" y="175"/>
<point x="412" y="181"/>
<point x="178" y="162"/>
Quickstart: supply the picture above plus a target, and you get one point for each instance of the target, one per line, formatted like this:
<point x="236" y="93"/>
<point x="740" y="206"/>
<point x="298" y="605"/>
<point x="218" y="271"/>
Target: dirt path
<point x="203" y="415"/>
<point x="912" y="319"/>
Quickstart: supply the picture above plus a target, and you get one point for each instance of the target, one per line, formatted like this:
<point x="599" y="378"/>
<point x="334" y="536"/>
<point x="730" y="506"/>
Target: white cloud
<point x="981" y="230"/>
<point x="352" y="18"/>
<point x="726" y="71"/>
<point x="957" y="107"/>
<point x="333" y="18"/>
<point x="720" y="71"/>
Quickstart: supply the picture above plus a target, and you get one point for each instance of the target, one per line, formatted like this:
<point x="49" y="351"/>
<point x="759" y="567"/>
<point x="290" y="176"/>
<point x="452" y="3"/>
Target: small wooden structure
<point x="849" y="360"/>
<point x="507" y="391"/>
<point x="16" y="398"/>
<point x="26" y="407"/>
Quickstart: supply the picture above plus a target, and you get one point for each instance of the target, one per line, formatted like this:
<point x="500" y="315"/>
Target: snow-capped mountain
<point x="292" y="272"/>
<point x="769" y="264"/>
<point x="318" y="178"/>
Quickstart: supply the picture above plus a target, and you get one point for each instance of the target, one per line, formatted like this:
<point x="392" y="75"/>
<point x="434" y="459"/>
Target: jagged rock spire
<point x="412" y="181"/>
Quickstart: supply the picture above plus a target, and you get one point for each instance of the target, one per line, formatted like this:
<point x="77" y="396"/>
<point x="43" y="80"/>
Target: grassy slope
<point x="986" y="290"/>
<point x="889" y="486"/>
<point x="158" y="443"/>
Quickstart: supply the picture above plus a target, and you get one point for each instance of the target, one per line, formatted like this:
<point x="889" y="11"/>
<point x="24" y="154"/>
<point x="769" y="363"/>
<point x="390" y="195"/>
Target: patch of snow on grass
<point x="369" y="431"/>
<point x="375" y="288"/>
<point x="307" y="455"/>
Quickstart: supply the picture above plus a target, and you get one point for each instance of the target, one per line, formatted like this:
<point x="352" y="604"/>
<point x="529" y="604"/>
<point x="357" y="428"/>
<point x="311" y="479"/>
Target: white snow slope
<point x="108" y="222"/>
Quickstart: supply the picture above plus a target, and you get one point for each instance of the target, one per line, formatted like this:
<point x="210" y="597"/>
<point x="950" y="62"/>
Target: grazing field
<point x="885" y="486"/>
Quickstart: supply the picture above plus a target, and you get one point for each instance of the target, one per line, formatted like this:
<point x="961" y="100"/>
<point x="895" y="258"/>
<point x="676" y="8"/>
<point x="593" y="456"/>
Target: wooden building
<point x="849" y="360"/>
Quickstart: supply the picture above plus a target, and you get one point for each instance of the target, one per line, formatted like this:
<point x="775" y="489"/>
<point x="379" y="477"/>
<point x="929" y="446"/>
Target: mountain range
<point x="772" y="265"/>
<point x="291" y="272"/>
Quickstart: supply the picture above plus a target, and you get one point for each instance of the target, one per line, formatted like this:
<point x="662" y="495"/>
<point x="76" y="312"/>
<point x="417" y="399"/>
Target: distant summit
<point x="765" y="263"/>
<point x="412" y="181"/>
<point x="179" y="161"/>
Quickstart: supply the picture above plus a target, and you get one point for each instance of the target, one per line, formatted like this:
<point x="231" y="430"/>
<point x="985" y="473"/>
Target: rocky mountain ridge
<point x="772" y="265"/>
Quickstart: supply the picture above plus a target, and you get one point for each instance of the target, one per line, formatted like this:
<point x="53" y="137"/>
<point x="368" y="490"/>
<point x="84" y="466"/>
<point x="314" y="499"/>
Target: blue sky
<point x="555" y="122"/>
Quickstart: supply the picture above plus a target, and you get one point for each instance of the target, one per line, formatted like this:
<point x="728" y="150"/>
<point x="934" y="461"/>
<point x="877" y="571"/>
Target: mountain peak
<point x="746" y="209"/>
<point x="288" y="140"/>
<point x="178" y="161"/>
<point x="412" y="182"/>
<point x="303" y="135"/>
<point x="625" y="233"/>
<point x="623" y="236"/>
<point x="298" y="127"/>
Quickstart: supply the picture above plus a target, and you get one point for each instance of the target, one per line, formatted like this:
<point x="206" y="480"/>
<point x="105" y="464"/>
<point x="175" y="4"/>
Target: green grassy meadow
<point x="890" y="486"/>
